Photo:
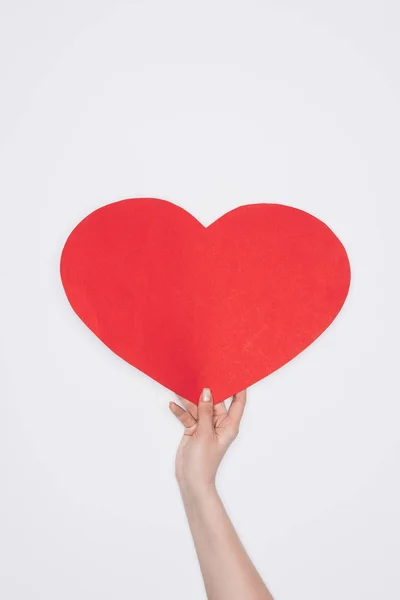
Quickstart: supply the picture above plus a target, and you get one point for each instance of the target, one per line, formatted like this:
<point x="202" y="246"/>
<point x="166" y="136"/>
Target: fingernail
<point x="206" y="395"/>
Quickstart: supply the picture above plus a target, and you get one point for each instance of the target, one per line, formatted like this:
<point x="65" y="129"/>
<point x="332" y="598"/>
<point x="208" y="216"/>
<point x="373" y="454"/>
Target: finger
<point x="190" y="406"/>
<point x="182" y="415"/>
<point x="220" y="409"/>
<point x="237" y="406"/>
<point x="205" y="412"/>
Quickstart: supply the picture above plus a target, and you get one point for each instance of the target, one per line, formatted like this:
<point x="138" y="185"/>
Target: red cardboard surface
<point x="191" y="306"/>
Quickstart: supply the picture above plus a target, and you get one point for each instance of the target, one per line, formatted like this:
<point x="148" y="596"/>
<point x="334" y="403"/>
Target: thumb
<point x="205" y="412"/>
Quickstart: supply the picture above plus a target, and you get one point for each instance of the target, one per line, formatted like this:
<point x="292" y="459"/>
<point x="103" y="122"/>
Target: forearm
<point x="227" y="570"/>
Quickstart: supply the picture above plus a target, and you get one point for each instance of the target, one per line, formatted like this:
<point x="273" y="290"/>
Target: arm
<point x="227" y="570"/>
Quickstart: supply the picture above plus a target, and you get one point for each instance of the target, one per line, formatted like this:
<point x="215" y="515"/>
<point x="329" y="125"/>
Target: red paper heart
<point x="192" y="306"/>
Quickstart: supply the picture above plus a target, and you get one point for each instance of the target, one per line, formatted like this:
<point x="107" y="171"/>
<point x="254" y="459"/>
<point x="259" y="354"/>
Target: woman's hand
<point x="209" y="430"/>
<point x="227" y="570"/>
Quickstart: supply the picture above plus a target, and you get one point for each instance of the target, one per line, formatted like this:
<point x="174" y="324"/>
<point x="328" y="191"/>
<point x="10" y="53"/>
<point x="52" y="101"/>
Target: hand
<point x="209" y="431"/>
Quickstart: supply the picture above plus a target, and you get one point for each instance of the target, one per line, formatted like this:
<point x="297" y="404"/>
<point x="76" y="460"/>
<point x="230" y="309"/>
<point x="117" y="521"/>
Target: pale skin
<point x="210" y="429"/>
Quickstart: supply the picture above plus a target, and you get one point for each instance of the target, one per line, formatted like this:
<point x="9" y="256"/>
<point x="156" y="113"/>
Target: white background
<point x="211" y="105"/>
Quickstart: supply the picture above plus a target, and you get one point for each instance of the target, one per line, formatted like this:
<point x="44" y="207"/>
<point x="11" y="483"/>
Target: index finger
<point x="190" y="406"/>
<point x="237" y="406"/>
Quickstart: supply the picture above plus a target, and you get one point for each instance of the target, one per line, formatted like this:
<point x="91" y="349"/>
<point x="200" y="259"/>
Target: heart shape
<point x="191" y="306"/>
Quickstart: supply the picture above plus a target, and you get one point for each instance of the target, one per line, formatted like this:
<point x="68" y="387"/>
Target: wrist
<point x="196" y="490"/>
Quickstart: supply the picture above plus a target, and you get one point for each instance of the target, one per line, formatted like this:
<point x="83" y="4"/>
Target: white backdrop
<point x="211" y="105"/>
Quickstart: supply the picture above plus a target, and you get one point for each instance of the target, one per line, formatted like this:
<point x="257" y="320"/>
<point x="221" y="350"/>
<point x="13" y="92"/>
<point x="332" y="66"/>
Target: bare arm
<point x="227" y="570"/>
